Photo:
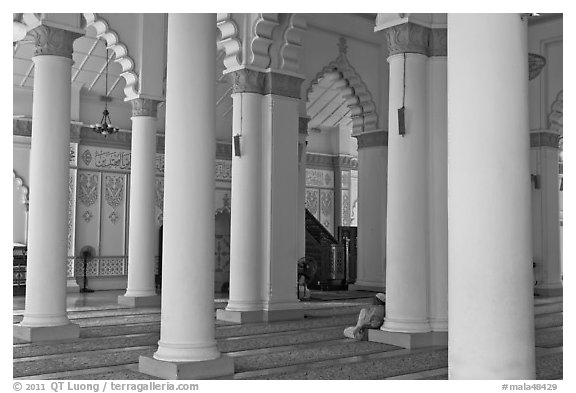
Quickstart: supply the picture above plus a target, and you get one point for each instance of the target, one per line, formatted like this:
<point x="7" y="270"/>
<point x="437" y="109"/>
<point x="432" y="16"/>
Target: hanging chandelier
<point x="105" y="126"/>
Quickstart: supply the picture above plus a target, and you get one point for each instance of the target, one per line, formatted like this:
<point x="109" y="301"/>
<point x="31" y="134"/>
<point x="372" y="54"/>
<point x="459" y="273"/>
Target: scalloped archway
<point x="336" y="93"/>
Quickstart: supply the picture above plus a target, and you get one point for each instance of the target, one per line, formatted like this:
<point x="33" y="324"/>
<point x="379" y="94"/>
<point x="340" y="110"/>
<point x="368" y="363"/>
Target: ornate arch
<point x="555" y="118"/>
<point x="261" y="41"/>
<point x="352" y="90"/>
<point x="113" y="42"/>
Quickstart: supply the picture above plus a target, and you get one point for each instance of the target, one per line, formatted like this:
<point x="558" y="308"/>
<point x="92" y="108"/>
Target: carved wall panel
<point x="113" y="217"/>
<point x="327" y="209"/>
<point x="313" y="201"/>
<point x="87" y="212"/>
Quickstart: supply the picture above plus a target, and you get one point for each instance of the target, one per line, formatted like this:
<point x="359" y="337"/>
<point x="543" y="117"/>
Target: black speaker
<point x="237" y="145"/>
<point x="401" y="122"/>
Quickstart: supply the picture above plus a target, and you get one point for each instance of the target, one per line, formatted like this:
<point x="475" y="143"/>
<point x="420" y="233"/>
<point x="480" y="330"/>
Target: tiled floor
<point x="113" y="337"/>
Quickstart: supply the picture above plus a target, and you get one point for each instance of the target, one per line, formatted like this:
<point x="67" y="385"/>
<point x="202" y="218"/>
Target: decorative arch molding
<point x="23" y="188"/>
<point x="352" y="90"/>
<point x="113" y="42"/>
<point x="261" y="41"/>
<point x="555" y="118"/>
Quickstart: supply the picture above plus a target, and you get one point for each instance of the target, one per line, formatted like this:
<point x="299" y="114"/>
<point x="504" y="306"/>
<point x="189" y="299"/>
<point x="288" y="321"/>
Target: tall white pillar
<point x="280" y="200"/>
<point x="438" y="180"/>
<point x="264" y="227"/>
<point x="372" y="195"/>
<point x="187" y="347"/>
<point x="246" y="225"/>
<point x="141" y="289"/>
<point x="546" y="212"/>
<point x="302" y="150"/>
<point x="491" y="306"/>
<point x="407" y="215"/>
<point x="45" y="315"/>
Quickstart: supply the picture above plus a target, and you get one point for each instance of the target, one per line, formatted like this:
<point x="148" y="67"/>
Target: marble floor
<point x="113" y="337"/>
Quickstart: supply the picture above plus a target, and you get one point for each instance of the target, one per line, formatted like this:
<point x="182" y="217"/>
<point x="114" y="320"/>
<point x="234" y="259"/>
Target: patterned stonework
<point x="345" y="207"/>
<point x="545" y="139"/>
<point x="556" y="116"/>
<point x="88" y="189"/>
<point x="144" y="107"/>
<point x="319" y="178"/>
<point x="159" y="201"/>
<point x="312" y="201"/>
<point x="53" y="41"/>
<point x="223" y="170"/>
<point x="73" y="159"/>
<point x="407" y="38"/>
<point x="71" y="184"/>
<point x="371" y="139"/>
<point x="87" y="157"/>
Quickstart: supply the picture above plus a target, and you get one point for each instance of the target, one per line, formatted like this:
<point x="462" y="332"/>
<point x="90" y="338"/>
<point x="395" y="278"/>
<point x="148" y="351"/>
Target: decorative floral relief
<point x="345" y="208"/>
<point x="326" y="202"/>
<point x="345" y="179"/>
<point x="114" y="217"/>
<point x="319" y="178"/>
<point x="312" y="201"/>
<point x="87" y="216"/>
<point x="88" y="190"/>
<point x="160" y="193"/>
<point x="87" y="157"/>
<point x="70" y="211"/>
<point x="114" y="188"/>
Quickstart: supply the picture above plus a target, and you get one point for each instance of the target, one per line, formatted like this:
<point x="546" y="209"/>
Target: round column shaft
<point x="49" y="176"/>
<point x="438" y="192"/>
<point x="187" y="321"/>
<point x="491" y="304"/>
<point x="246" y="226"/>
<point x="407" y="212"/>
<point x="142" y="234"/>
<point x="373" y="163"/>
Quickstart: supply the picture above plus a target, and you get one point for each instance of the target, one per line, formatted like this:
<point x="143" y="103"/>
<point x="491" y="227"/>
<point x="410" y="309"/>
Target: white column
<point x="246" y="222"/>
<point x="407" y="213"/>
<point x="280" y="202"/>
<point x="45" y="315"/>
<point x="187" y="347"/>
<point x="491" y="312"/>
<point x="264" y="226"/>
<point x="302" y="149"/>
<point x="372" y="195"/>
<point x="545" y="212"/>
<point x="141" y="289"/>
<point x="438" y="190"/>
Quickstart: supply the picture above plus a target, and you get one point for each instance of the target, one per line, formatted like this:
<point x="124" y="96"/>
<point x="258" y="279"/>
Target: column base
<point x="408" y="340"/>
<point x="366" y="287"/>
<point x="548" y="292"/>
<point x="259" y="316"/>
<point x="139" y="301"/>
<point x="219" y="368"/>
<point x="46" y="333"/>
<point x="72" y="286"/>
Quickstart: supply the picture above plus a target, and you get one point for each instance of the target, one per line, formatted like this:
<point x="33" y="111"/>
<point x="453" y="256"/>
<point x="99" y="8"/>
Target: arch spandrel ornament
<point x="122" y="57"/>
<point x="555" y="118"/>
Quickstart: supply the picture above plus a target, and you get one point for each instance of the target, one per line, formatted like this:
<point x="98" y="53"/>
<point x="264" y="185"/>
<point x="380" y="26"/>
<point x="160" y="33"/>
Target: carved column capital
<point x="247" y="81"/>
<point x="144" y="107"/>
<point x="438" y="45"/>
<point x="371" y="139"/>
<point x="53" y="41"/>
<point x="282" y="85"/>
<point x="545" y="138"/>
<point x="407" y="38"/>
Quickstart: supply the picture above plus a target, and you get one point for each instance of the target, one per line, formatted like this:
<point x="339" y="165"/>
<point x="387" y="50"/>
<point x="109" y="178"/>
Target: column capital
<point x="282" y="85"/>
<point x="545" y="138"/>
<point x="438" y="45"/>
<point x="247" y="80"/>
<point x="144" y="107"/>
<point x="407" y="38"/>
<point x="371" y="139"/>
<point x="53" y="41"/>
